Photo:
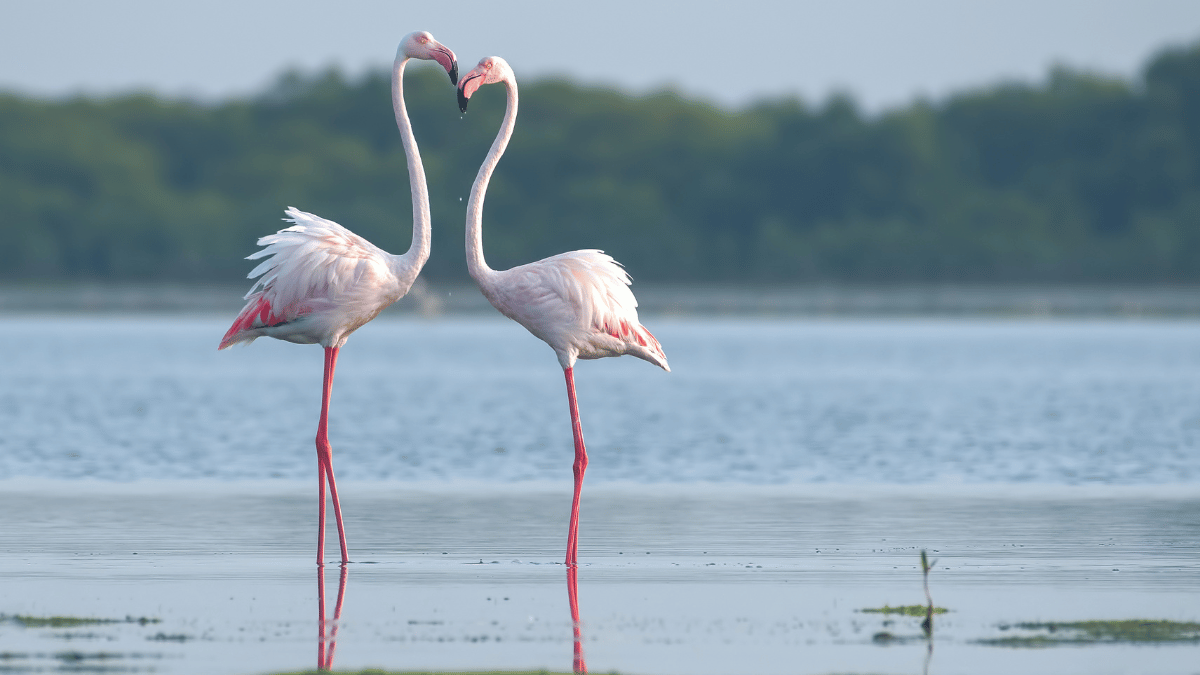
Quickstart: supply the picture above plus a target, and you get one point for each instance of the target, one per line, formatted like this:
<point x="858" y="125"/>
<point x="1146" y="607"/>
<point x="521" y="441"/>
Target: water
<point x="673" y="580"/>
<point x="738" y="511"/>
<point x="478" y="399"/>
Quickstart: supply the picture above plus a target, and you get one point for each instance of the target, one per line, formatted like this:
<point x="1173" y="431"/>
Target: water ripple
<point x="749" y="401"/>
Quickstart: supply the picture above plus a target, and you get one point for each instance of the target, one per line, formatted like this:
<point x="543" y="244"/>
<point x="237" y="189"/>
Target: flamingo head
<point x="421" y="45"/>
<point x="491" y="69"/>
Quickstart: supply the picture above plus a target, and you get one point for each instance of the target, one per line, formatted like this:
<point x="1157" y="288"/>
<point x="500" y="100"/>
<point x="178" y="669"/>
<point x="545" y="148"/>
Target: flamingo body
<point x="319" y="283"/>
<point x="577" y="302"/>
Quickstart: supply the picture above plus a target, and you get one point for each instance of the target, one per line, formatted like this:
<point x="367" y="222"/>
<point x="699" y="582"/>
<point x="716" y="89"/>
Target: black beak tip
<point x="454" y="73"/>
<point x="462" y="101"/>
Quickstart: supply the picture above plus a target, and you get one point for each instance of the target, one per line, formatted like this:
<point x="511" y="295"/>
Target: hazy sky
<point x="884" y="52"/>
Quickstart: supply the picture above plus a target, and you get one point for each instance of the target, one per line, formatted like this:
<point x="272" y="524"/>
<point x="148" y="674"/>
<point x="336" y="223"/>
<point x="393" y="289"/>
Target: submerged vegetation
<point x="926" y="612"/>
<point x="27" y="621"/>
<point x="1078" y="178"/>
<point x="904" y="610"/>
<point x="1049" y="634"/>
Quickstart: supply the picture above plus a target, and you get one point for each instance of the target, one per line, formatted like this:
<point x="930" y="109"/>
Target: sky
<point x="885" y="53"/>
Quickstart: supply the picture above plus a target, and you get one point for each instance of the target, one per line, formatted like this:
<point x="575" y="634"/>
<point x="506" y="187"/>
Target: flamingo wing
<point x="580" y="303"/>
<point x="319" y="283"/>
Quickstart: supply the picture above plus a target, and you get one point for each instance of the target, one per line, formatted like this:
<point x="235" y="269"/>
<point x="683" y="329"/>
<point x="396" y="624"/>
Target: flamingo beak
<point x="446" y="59"/>
<point x="470" y="82"/>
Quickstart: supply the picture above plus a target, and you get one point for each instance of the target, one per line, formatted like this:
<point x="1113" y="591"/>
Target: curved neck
<point x="418" y="251"/>
<point x="475" y="262"/>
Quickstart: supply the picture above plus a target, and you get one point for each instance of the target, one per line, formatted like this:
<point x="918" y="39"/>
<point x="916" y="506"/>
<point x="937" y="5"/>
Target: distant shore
<point x="801" y="300"/>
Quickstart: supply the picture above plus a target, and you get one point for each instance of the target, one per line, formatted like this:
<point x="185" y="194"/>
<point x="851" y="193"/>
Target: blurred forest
<point x="1080" y="178"/>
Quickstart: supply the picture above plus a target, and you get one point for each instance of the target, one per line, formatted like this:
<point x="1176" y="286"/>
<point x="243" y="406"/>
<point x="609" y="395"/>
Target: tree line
<point x="1078" y="178"/>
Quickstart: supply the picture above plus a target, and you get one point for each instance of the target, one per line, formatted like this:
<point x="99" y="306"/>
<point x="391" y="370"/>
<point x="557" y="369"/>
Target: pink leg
<point x="325" y="463"/>
<point x="337" y="508"/>
<point x="320" y="510"/>
<point x="581" y="462"/>
<point x="573" y="597"/>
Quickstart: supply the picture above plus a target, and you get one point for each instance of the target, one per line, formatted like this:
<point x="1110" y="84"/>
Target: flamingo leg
<point x="320" y="511"/>
<point x="580" y="466"/>
<point x="325" y="463"/>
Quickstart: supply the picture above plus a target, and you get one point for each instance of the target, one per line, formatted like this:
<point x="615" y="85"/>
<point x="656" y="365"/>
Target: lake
<point x="479" y="399"/>
<point x="738" y="511"/>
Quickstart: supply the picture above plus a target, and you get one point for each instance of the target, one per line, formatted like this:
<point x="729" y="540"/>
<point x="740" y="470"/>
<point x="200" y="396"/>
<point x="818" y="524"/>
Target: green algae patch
<point x="904" y="610"/>
<point x="27" y="621"/>
<point x="1129" y="631"/>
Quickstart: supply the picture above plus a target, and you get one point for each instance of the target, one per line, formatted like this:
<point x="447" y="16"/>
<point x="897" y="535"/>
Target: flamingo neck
<point x="410" y="263"/>
<point x="475" y="262"/>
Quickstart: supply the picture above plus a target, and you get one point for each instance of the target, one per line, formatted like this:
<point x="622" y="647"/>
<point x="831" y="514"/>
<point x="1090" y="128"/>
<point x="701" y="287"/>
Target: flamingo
<point x="320" y="282"/>
<point x="577" y="302"/>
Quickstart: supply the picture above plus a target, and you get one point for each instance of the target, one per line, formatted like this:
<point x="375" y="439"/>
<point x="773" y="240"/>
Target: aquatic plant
<point x="1128" y="631"/>
<point x="927" y="610"/>
<point x="27" y="621"/>
<point x="904" y="610"/>
<point x="927" y="624"/>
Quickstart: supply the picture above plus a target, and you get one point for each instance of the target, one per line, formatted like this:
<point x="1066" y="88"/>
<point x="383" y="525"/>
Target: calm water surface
<point x="679" y="579"/>
<point x="738" y="512"/>
<point x="759" y="402"/>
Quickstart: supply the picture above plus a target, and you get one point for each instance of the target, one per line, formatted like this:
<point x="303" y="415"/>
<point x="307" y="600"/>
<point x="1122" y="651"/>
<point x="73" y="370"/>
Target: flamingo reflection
<point x="327" y="630"/>
<point x="573" y="598"/>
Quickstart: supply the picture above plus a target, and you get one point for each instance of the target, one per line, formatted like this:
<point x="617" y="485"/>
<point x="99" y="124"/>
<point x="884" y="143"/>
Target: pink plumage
<point x="579" y="302"/>
<point x="320" y="282"/>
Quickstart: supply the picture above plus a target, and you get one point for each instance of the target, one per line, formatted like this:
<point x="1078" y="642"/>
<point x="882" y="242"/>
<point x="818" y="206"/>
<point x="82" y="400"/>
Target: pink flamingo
<point x="578" y="302"/>
<point x="320" y="282"/>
